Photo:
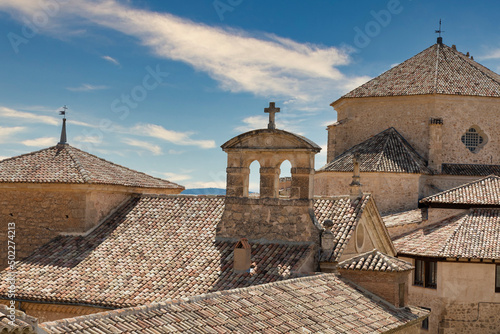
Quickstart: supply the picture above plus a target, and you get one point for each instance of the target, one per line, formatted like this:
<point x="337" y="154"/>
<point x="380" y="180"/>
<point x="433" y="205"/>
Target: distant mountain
<point x="204" y="191"/>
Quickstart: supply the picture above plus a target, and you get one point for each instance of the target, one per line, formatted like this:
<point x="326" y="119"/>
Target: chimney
<point x="242" y="256"/>
<point x="332" y="140"/>
<point x="355" y="185"/>
<point x="435" y="144"/>
<point x="327" y="238"/>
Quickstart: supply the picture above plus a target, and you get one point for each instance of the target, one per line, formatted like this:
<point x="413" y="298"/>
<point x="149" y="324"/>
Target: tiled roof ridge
<point x="375" y="78"/>
<point x="118" y="165"/>
<point x="391" y="263"/>
<point x="79" y="166"/>
<point x="474" y="64"/>
<point x="141" y="195"/>
<point x="172" y="302"/>
<point x="429" y="199"/>
<point x="416" y="161"/>
<point x="434" y="66"/>
<point x="336" y="197"/>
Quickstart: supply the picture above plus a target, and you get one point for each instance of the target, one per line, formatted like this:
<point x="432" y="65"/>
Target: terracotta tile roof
<point x="470" y="169"/>
<point x="345" y="214"/>
<point x="481" y="192"/>
<point x="67" y="164"/>
<point x="387" y="151"/>
<point x="317" y="304"/>
<point x="151" y="249"/>
<point x="22" y="324"/>
<point x="455" y="74"/>
<point x="403" y="218"/>
<point x="475" y="234"/>
<point x="375" y="261"/>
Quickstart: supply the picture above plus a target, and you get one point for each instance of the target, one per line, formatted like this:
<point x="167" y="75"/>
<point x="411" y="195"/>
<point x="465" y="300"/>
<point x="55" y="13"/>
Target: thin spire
<point x="63" y="139"/>
<point x="439" y="39"/>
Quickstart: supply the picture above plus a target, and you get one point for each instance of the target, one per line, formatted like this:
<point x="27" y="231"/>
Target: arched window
<point x="254" y="180"/>
<point x="285" y="179"/>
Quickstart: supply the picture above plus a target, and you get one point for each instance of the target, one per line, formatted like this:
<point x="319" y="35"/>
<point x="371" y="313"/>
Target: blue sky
<point x="158" y="86"/>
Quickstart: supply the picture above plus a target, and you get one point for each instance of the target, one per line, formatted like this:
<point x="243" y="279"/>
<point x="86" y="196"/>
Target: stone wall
<point x="462" y="288"/>
<point x="268" y="218"/>
<point x="42" y="212"/>
<point x="50" y="312"/>
<point x="383" y="284"/>
<point x="471" y="318"/>
<point x="392" y="192"/>
<point x="410" y="116"/>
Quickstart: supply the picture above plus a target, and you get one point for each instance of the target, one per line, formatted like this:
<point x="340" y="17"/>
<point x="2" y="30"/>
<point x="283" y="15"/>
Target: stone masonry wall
<point x="383" y="284"/>
<point x="392" y="192"/>
<point x="51" y="312"/>
<point x="268" y="218"/>
<point x="471" y="318"/>
<point x="410" y="115"/>
<point x="40" y="214"/>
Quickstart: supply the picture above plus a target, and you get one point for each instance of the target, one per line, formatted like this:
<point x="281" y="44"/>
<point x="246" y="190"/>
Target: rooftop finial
<point x="355" y="185"/>
<point x="62" y="141"/>
<point x="271" y="110"/>
<point x="439" y="39"/>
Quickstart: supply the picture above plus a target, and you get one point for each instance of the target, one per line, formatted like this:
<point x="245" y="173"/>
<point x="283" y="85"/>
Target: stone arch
<point x="253" y="177"/>
<point x="285" y="179"/>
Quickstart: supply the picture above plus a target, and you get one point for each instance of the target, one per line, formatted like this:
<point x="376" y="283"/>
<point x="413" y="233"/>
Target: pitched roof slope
<point x="438" y="69"/>
<point x="387" y="151"/>
<point x="375" y="261"/>
<point x="470" y="169"/>
<point x="67" y="164"/>
<point x="317" y="304"/>
<point x="151" y="249"/>
<point x="475" y="234"/>
<point x="345" y="215"/>
<point x="481" y="192"/>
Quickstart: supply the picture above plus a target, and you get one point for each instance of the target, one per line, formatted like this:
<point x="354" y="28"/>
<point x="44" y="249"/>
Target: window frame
<point x="425" y="273"/>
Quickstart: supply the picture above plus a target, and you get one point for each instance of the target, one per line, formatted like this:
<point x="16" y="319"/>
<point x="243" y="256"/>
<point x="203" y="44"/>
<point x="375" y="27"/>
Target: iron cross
<point x="272" y="110"/>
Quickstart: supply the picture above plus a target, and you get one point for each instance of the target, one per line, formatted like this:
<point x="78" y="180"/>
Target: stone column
<point x="435" y="144"/>
<point x="302" y="179"/>
<point x="237" y="181"/>
<point x="269" y="182"/>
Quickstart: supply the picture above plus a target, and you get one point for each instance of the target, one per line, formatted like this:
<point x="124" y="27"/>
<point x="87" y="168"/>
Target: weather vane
<point x="439" y="31"/>
<point x="63" y="112"/>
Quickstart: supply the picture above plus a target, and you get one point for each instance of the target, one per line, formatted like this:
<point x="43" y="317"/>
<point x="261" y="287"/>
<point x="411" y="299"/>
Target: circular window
<point x="360" y="237"/>
<point x="474" y="139"/>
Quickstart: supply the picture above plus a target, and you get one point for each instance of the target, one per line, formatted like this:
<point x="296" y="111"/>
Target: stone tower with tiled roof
<point x="442" y="103"/>
<point x="62" y="189"/>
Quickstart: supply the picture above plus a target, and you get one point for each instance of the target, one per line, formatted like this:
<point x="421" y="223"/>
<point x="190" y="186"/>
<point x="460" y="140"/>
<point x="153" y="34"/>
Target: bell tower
<point x="270" y="216"/>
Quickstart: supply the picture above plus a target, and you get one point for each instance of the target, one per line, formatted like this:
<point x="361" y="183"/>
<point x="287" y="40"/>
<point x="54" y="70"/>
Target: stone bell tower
<point x="270" y="216"/>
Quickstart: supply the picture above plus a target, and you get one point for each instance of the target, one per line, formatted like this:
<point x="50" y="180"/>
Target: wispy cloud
<point x="28" y="116"/>
<point x="87" y="88"/>
<point x="7" y="132"/>
<point x="41" y="142"/>
<point x="155" y="149"/>
<point x="266" y="65"/>
<point x="491" y="54"/>
<point x="111" y="60"/>
<point x="175" y="177"/>
<point x="175" y="137"/>
<point x="88" y="139"/>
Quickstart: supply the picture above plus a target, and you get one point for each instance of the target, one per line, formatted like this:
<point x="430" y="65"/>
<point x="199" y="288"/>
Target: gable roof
<point x="67" y="164"/>
<point x="387" y="151"/>
<point x="317" y="304"/>
<point x="481" y="192"/>
<point x="438" y="69"/>
<point x="151" y="249"/>
<point x="475" y="234"/>
<point x="375" y="261"/>
<point x="158" y="247"/>
<point x="345" y="215"/>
